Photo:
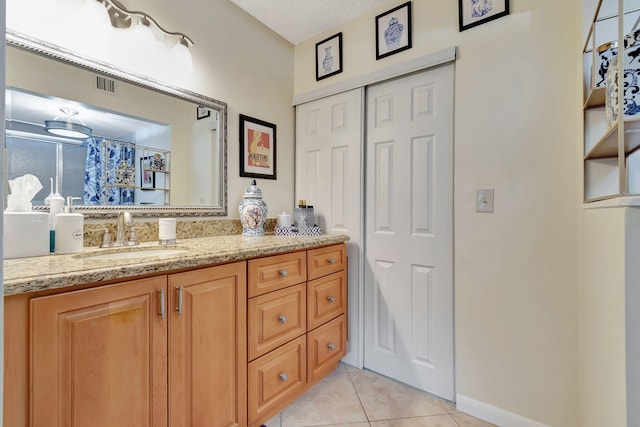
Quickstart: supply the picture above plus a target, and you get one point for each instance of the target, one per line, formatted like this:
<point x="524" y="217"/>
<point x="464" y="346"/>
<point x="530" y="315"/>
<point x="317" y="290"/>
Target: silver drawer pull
<point x="331" y="298"/>
<point x="283" y="273"/>
<point x="179" y="307"/>
<point x="331" y="347"/>
<point x="283" y="376"/>
<point x="283" y="319"/>
<point x="161" y="313"/>
<point x="331" y="260"/>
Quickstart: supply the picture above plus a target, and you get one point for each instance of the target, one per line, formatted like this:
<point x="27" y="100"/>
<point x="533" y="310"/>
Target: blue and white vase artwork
<point x="327" y="62"/>
<point x="480" y="8"/>
<point x="253" y="211"/>
<point x="393" y="33"/>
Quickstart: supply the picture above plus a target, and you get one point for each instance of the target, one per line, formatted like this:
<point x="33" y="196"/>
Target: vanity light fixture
<point x="67" y="128"/>
<point x="122" y="18"/>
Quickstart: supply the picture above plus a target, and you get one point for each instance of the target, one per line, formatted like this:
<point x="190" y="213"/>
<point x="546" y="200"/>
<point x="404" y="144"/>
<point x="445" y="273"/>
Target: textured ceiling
<point x="300" y="20"/>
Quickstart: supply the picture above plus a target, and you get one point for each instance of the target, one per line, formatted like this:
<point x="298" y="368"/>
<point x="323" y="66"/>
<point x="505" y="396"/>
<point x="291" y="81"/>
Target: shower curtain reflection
<point x="109" y="177"/>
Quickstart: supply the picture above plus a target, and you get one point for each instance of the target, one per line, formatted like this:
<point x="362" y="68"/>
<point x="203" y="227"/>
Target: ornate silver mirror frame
<point x="45" y="49"/>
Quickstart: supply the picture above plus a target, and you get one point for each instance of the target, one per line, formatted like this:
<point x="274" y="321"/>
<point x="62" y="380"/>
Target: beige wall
<point x="601" y="294"/>
<point x="518" y="130"/>
<point x="235" y="60"/>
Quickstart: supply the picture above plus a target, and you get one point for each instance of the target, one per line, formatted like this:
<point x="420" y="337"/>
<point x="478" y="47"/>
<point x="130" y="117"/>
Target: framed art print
<point x="472" y="13"/>
<point x="147" y="175"/>
<point x="202" y="112"/>
<point x="393" y="31"/>
<point x="329" y="57"/>
<point x="257" y="148"/>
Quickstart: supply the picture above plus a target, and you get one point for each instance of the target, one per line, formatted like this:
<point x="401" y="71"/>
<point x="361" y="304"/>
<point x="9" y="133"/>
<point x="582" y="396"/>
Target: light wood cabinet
<point x="296" y="324"/>
<point x="220" y="346"/>
<point x="167" y="350"/>
<point x="99" y="357"/>
<point x="207" y="347"/>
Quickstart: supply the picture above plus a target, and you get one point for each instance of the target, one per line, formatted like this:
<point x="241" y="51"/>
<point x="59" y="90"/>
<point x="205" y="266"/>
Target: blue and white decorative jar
<point x="606" y="53"/>
<point x="630" y="90"/>
<point x="393" y="33"/>
<point x="253" y="211"/>
<point x="327" y="62"/>
<point x="480" y="8"/>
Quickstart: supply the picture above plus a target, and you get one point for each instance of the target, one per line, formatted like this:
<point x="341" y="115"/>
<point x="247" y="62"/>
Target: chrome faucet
<point x="124" y="219"/>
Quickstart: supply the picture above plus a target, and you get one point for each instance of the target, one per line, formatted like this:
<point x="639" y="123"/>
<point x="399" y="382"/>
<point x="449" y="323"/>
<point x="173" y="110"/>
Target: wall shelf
<point x="611" y="155"/>
<point x="607" y="146"/>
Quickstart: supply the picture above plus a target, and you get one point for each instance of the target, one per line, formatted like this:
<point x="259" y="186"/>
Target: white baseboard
<point x="493" y="414"/>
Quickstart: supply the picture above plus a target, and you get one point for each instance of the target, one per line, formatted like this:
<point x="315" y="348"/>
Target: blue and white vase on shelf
<point x="393" y="33"/>
<point x="253" y="211"/>
<point x="327" y="62"/>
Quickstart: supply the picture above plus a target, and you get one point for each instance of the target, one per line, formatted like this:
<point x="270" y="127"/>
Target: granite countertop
<point x="22" y="275"/>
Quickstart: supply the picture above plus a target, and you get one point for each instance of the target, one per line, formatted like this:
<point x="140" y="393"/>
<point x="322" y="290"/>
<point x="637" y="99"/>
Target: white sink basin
<point x="133" y="254"/>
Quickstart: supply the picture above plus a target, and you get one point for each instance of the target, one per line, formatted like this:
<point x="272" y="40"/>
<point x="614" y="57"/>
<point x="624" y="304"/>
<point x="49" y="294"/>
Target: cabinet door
<point x="98" y="357"/>
<point x="207" y="347"/>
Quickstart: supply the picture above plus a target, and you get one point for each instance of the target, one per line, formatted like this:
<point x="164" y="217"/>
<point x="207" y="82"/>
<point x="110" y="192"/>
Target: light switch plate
<point x="484" y="200"/>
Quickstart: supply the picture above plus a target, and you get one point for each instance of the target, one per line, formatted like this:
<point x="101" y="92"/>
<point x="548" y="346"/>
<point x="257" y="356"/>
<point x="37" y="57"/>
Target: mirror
<point x="173" y="140"/>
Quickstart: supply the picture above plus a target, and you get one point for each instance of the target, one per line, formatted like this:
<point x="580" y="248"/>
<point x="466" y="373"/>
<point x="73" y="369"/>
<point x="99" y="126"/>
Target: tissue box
<point x="25" y="234"/>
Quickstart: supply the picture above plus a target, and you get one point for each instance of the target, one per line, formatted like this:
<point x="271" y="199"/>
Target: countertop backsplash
<point x="185" y="229"/>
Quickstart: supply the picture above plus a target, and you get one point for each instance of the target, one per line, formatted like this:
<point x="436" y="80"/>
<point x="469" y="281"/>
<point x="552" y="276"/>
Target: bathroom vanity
<point x="218" y="331"/>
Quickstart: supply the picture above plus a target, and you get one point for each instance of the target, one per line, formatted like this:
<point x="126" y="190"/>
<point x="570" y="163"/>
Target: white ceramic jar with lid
<point x="253" y="211"/>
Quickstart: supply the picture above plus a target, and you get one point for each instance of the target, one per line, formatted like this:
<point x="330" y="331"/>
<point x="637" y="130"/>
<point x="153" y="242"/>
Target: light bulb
<point x="181" y="57"/>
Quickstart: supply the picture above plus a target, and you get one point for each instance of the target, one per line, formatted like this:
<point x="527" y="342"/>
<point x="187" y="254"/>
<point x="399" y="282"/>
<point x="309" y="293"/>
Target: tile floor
<point x="351" y="397"/>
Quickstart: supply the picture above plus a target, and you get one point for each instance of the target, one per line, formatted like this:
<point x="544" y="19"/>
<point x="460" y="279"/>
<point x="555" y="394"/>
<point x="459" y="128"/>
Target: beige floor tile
<point x="274" y="422"/>
<point x="465" y="420"/>
<point x="332" y="401"/>
<point x="385" y="399"/>
<point x="350" y="368"/>
<point x="449" y="407"/>
<point x="348" y="425"/>
<point x="432" y="421"/>
<point x="341" y="367"/>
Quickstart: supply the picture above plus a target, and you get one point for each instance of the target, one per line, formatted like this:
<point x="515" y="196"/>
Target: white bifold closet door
<point x="408" y="306"/>
<point x="329" y="139"/>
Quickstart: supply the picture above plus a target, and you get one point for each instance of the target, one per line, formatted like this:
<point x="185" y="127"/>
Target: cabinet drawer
<point x="326" y="299"/>
<point x="276" y="272"/>
<point x="276" y="378"/>
<point x="276" y="318"/>
<point x="326" y="345"/>
<point x="323" y="261"/>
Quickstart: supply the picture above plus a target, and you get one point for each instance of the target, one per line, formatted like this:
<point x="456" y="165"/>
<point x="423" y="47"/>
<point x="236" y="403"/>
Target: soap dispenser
<point x="69" y="230"/>
<point x="56" y="206"/>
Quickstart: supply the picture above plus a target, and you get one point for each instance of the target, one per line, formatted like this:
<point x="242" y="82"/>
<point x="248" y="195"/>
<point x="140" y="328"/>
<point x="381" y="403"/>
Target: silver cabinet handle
<point x="282" y="318"/>
<point x="331" y="298"/>
<point x="179" y="307"/>
<point x="283" y="273"/>
<point x="283" y="376"/>
<point x="331" y="260"/>
<point x="161" y="291"/>
<point x="331" y="347"/>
